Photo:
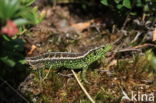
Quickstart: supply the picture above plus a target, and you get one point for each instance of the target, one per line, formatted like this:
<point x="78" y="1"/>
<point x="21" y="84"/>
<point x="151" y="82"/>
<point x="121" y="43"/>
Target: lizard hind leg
<point x="44" y="74"/>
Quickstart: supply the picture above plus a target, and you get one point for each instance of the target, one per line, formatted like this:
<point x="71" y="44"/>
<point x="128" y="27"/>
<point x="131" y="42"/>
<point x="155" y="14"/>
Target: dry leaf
<point x="81" y="26"/>
<point x="33" y="47"/>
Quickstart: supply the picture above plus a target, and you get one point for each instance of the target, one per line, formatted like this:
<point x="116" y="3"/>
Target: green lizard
<point x="53" y="60"/>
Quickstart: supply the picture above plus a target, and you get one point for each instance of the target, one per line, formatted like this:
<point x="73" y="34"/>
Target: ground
<point x="62" y="30"/>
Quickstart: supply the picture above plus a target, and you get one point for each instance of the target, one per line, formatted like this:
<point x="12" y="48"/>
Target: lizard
<point x="54" y="60"/>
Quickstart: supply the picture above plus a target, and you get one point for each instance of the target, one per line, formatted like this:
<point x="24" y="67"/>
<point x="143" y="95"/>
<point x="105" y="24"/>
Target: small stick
<point x="65" y="75"/>
<point x="82" y="87"/>
<point x="136" y="37"/>
<point x="126" y="50"/>
<point x="136" y="48"/>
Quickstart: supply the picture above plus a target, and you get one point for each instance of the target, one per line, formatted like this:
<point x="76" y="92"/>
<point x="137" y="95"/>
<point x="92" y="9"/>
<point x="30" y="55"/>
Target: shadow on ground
<point x="12" y="70"/>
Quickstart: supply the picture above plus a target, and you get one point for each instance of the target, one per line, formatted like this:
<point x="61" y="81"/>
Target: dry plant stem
<point x="127" y="50"/>
<point x="82" y="87"/>
<point x="136" y="37"/>
<point x="125" y="22"/>
<point x="65" y="75"/>
<point x="136" y="48"/>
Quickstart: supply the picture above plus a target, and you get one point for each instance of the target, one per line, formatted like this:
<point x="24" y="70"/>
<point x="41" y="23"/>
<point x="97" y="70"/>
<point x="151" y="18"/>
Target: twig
<point x="82" y="87"/>
<point x="65" y="75"/>
<point x="144" y="45"/>
<point x="125" y="22"/>
<point x="127" y="49"/>
<point x="136" y="48"/>
<point x="118" y="40"/>
<point x="136" y="37"/>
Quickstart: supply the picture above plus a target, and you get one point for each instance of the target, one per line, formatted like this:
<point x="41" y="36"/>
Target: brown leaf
<point x="33" y="47"/>
<point x="81" y="26"/>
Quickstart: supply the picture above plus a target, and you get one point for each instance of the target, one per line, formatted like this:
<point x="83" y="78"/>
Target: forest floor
<point x="72" y="29"/>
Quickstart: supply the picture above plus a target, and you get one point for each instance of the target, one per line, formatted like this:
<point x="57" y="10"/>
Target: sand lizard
<point x="54" y="60"/>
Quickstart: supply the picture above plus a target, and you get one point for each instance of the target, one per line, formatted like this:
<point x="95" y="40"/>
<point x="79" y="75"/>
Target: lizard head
<point x="98" y="53"/>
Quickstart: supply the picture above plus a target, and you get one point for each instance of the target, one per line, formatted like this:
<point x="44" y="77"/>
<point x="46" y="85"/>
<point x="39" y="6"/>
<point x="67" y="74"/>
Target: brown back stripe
<point x="60" y="56"/>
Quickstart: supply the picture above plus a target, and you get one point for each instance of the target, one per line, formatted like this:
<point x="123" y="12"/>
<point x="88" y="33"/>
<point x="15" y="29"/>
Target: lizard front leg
<point x="47" y="73"/>
<point x="83" y="75"/>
